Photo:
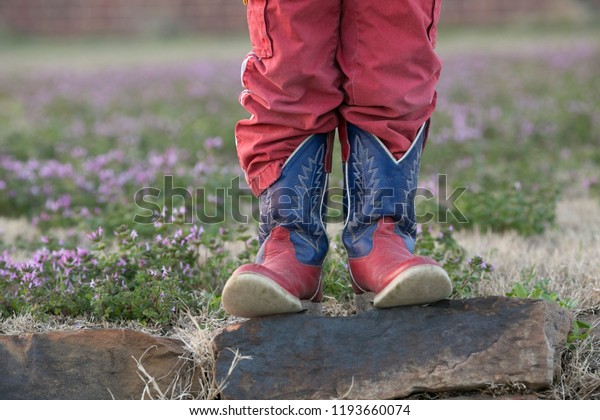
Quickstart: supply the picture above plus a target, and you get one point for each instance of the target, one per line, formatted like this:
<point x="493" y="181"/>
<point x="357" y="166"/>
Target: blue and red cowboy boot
<point x="380" y="229"/>
<point x="286" y="276"/>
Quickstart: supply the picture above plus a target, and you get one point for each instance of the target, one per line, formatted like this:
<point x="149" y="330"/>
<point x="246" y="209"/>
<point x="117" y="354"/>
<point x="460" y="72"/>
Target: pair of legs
<point x="372" y="63"/>
<point x="369" y="70"/>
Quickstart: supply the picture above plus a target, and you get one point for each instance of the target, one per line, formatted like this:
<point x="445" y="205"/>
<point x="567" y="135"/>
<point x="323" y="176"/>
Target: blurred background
<point x="103" y="99"/>
<point x="168" y="17"/>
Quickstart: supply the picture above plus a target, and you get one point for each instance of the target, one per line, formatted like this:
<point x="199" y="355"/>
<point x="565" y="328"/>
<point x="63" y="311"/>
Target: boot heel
<point x="364" y="302"/>
<point x="312" y="308"/>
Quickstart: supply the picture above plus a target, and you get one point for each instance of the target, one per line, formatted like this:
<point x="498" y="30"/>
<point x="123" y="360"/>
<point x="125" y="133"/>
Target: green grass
<point x="86" y="123"/>
<point x="32" y="53"/>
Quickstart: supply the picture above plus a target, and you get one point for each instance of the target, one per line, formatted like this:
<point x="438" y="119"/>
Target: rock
<point x="86" y="364"/>
<point x="384" y="354"/>
<point x="364" y="302"/>
<point x="506" y="397"/>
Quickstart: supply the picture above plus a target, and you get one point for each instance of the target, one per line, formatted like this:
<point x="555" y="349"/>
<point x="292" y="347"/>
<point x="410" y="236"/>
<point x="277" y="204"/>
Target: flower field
<point x="95" y="162"/>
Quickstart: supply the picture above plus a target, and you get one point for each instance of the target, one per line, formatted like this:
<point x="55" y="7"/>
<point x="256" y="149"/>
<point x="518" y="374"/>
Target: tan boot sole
<point x="417" y="285"/>
<point x="250" y="295"/>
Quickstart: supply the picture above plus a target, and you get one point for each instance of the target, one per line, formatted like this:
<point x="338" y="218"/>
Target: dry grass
<point x="567" y="255"/>
<point x="196" y="378"/>
<point x="197" y="333"/>
<point x="12" y="230"/>
<point x="27" y="324"/>
<point x="580" y="375"/>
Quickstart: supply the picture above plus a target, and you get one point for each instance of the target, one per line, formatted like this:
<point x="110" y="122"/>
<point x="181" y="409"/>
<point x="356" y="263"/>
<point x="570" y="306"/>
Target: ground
<point x="85" y="124"/>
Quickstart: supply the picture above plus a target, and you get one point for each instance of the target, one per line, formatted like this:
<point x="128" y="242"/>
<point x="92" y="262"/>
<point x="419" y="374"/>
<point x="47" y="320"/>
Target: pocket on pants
<point x="436" y="8"/>
<point x="257" y="26"/>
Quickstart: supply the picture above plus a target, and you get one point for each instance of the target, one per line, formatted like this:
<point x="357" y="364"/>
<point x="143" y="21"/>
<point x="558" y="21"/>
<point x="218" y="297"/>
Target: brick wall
<point x="75" y="17"/>
<point x="500" y="11"/>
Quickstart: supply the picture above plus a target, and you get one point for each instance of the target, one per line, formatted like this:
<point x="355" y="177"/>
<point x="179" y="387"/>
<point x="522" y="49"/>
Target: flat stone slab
<point x="87" y="364"/>
<point x="453" y="345"/>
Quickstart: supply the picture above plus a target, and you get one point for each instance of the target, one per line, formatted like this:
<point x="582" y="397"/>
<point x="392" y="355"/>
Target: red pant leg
<point x="292" y="83"/>
<point x="390" y="66"/>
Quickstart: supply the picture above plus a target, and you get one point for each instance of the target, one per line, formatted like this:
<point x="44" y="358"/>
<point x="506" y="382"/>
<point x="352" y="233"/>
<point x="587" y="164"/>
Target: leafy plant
<point x="526" y="211"/>
<point x="465" y="273"/>
<point x="580" y="331"/>
<point x="530" y="289"/>
<point x="119" y="278"/>
<point x="498" y="207"/>
<point x="336" y="277"/>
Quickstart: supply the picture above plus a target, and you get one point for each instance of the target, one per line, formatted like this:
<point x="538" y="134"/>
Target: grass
<point x="81" y="120"/>
<point x="567" y="255"/>
<point x="26" y="54"/>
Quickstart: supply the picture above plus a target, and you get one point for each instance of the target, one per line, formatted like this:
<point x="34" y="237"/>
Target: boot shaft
<point x="378" y="186"/>
<point x="297" y="202"/>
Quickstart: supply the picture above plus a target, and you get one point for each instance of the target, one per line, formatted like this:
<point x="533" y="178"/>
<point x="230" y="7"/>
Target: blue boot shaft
<point x="379" y="186"/>
<point x="297" y="202"/>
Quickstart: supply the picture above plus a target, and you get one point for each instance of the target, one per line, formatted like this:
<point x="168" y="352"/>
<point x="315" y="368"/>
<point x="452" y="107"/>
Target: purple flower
<point x="213" y="143"/>
<point x="589" y="182"/>
<point x="96" y="235"/>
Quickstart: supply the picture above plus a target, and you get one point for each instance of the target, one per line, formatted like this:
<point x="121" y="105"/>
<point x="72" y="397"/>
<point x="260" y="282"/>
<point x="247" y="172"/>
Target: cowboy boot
<point x="292" y="237"/>
<point x="380" y="229"/>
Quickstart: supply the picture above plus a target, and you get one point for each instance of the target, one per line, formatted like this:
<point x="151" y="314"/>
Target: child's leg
<point x="390" y="72"/>
<point x="293" y="89"/>
<point x="291" y="80"/>
<point x="391" y="69"/>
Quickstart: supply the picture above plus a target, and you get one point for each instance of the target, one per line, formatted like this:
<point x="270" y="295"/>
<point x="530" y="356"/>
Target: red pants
<point x="318" y="62"/>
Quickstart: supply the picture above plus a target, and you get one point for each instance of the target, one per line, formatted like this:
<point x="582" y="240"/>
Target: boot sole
<point x="250" y="295"/>
<point x="417" y="285"/>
